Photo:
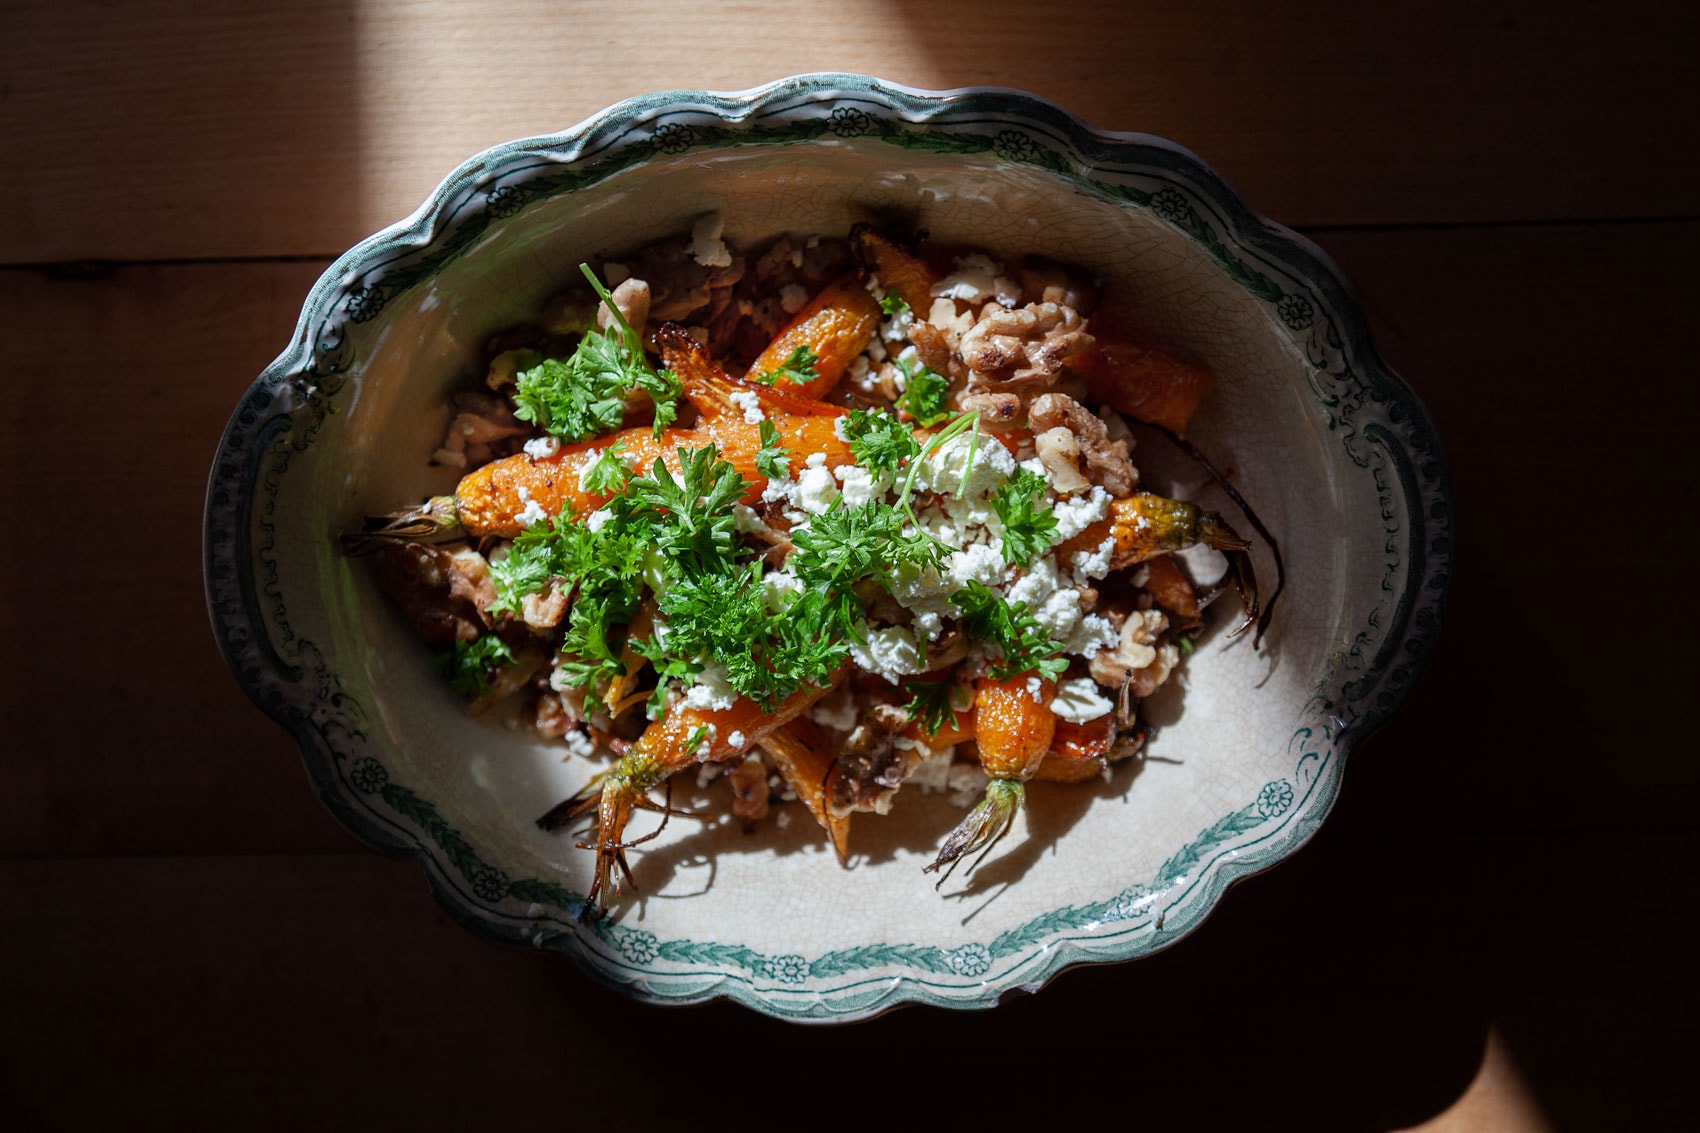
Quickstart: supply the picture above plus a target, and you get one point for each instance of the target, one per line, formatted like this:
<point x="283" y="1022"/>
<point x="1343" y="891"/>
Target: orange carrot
<point x="835" y="326"/>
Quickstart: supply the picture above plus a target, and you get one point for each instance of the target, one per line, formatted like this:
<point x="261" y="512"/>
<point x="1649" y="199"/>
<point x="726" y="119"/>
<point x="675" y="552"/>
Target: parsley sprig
<point x="1029" y="527"/>
<point x="608" y="472"/>
<point x="798" y="366"/>
<point x="772" y="461"/>
<point x="878" y="440"/>
<point x="469" y="663"/>
<point x="925" y="393"/>
<point x="934" y="704"/>
<point x="584" y="395"/>
<point x="1012" y="628"/>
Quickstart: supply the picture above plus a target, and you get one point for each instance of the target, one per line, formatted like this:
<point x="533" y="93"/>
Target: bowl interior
<point x="1233" y="721"/>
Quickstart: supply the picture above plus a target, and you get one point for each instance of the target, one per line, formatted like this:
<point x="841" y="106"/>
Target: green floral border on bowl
<point x="1374" y="417"/>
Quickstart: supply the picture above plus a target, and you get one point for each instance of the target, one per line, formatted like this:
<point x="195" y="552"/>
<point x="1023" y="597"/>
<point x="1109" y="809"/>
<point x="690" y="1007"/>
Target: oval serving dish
<point x="1333" y="449"/>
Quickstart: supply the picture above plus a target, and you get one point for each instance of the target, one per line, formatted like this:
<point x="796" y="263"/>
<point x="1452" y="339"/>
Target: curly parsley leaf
<point x="557" y="548"/>
<point x="893" y="303"/>
<point x="799" y="367"/>
<point x="1029" y="527"/>
<point x="925" y="393"/>
<point x="584" y="395"/>
<point x="469" y="663"/>
<point x="772" y="461"/>
<point x="608" y="473"/>
<point x="845" y="545"/>
<point x="1013" y="629"/>
<point x="934" y="704"/>
<point x="692" y="516"/>
<point x="765" y="658"/>
<point x="878" y="440"/>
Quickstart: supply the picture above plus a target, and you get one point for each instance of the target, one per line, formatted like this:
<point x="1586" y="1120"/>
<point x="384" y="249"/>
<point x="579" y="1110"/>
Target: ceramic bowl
<point x="1333" y="449"/>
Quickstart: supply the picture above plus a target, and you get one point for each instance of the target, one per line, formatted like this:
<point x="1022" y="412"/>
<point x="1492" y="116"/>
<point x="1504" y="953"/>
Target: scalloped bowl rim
<point x="1405" y="434"/>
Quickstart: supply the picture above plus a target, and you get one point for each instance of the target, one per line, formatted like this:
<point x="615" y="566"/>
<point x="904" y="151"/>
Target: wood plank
<point x="1547" y="708"/>
<point x="1353" y="988"/>
<point x="187" y="128"/>
<point x="127" y="731"/>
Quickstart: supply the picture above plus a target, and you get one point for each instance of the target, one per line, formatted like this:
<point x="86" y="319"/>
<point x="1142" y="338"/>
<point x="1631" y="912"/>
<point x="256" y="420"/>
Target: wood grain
<point x="188" y="128"/>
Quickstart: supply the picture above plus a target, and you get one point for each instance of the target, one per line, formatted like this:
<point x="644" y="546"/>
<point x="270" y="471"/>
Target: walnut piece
<point x="1138" y="663"/>
<point x="1105" y="461"/>
<point x="1028" y="344"/>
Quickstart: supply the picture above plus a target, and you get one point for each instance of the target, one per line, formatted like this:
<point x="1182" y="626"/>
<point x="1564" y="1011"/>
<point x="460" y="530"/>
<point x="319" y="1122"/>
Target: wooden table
<point x="1497" y="920"/>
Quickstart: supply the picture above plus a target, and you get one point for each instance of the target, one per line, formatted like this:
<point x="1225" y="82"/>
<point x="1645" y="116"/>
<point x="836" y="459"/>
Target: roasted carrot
<point x="488" y="501"/>
<point x="835" y="326"/>
<point x="711" y="389"/>
<point x="1135" y="378"/>
<point x="898" y="269"/>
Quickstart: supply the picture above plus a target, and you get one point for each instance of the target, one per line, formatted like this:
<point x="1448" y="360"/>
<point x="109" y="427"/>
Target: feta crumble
<point x="816" y="490"/>
<point x="1077" y="513"/>
<point x="539" y="448"/>
<point x="891" y="653"/>
<point x="750" y="403"/>
<point x="736" y="739"/>
<point x="792" y="298"/>
<point x="712" y="691"/>
<point x="707" y="248"/>
<point x="1079" y="700"/>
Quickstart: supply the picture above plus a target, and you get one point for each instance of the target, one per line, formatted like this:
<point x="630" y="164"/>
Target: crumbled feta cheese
<point x="945" y="470"/>
<point x="976" y="279"/>
<point x="538" y="448"/>
<point x="978" y="562"/>
<point x="838" y="426"/>
<point x="707" y="248"/>
<point x="1038" y="584"/>
<point x="929" y="625"/>
<point x="1080" y="700"/>
<point x="816" y="490"/>
<point x="579" y="744"/>
<point x="861" y="375"/>
<point x="895" y="328"/>
<point x="859" y="485"/>
<point x="1036" y="690"/>
<point x="817" y="459"/>
<point x="792" y="297"/>
<point x="745" y="519"/>
<point x="712" y="691"/>
<point x="598" y="519"/>
<point x="1058" y="614"/>
<point x="1094" y="633"/>
<point x="1093" y="564"/>
<point x="750" y="403"/>
<point x="706" y="747"/>
<point x="780" y="588"/>
<point x="779" y="490"/>
<point x="736" y="739"/>
<point x="1077" y="513"/>
<point x="531" y="513"/>
<point x="891" y="653"/>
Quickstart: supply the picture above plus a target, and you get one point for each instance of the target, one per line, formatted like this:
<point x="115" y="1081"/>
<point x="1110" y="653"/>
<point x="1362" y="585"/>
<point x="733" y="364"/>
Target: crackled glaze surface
<point x="1335" y="451"/>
